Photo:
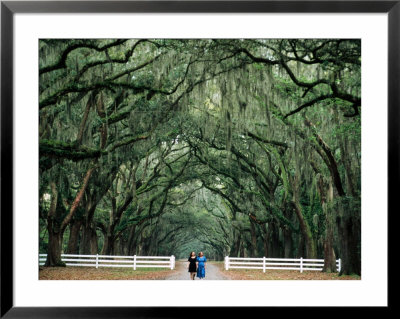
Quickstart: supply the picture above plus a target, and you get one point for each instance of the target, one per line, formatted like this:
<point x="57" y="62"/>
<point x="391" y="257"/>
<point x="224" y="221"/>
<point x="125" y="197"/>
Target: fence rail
<point x="114" y="261"/>
<point x="277" y="263"/>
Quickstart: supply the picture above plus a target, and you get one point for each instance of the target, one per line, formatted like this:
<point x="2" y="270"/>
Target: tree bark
<point x="347" y="165"/>
<point x="265" y="240"/>
<point x="300" y="247"/>
<point x="84" y="120"/>
<point x="311" y="249"/>
<point x="77" y="199"/>
<point x="329" y="160"/>
<point x="73" y="242"/>
<point x="325" y="191"/>
<point x="242" y="250"/>
<point x="236" y="246"/>
<point x="274" y="240"/>
<point x="349" y="225"/>
<point x="329" y="253"/>
<point x="287" y="234"/>
<point x="89" y="240"/>
<point x="253" y="240"/>
<point x="108" y="247"/>
<point x="54" y="251"/>
<point x="56" y="231"/>
<point x="132" y="240"/>
<point x="55" y="235"/>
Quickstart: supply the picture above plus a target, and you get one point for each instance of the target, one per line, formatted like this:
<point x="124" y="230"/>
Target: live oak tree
<point x="237" y="147"/>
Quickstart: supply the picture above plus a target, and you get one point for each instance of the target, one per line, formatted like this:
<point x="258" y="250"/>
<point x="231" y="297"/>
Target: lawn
<point x="257" y="274"/>
<point x="88" y="273"/>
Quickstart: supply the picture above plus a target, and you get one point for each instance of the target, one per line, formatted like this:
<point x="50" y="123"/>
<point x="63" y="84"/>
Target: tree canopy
<point x="239" y="147"/>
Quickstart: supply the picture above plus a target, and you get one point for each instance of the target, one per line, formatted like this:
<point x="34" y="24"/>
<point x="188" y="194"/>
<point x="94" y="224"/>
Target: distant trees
<point x="239" y="147"/>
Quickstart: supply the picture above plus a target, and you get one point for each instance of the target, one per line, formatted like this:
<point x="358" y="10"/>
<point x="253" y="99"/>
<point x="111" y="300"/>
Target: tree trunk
<point x="311" y="249"/>
<point x="56" y="231"/>
<point x="88" y="245"/>
<point x="265" y="240"/>
<point x="329" y="253"/>
<point x="309" y="241"/>
<point x="73" y="242"/>
<point x="287" y="234"/>
<point x="132" y="241"/>
<point x="55" y="234"/>
<point x="300" y="247"/>
<point x="77" y="199"/>
<point x="54" y="250"/>
<point x="347" y="165"/>
<point x="274" y="240"/>
<point x="348" y="224"/>
<point x="236" y="247"/>
<point x="253" y="252"/>
<point x="93" y="242"/>
<point x="325" y="190"/>
<point x="108" y="248"/>
<point x="329" y="159"/>
<point x="123" y="248"/>
<point x="242" y="249"/>
<point x="84" y="247"/>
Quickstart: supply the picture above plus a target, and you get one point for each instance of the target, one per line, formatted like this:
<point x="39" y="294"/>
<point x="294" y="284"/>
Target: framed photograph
<point x="86" y="129"/>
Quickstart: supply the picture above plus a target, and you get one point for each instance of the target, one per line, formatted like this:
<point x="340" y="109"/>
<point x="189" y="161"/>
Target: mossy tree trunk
<point x="56" y="226"/>
<point x="348" y="223"/>
<point x="309" y="240"/>
<point x="74" y="237"/>
<point x="54" y="230"/>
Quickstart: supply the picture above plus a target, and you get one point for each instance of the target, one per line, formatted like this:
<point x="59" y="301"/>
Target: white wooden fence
<point x="277" y="263"/>
<point x="114" y="261"/>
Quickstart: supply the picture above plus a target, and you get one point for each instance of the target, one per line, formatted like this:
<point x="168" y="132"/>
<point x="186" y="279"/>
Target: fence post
<point x="264" y="264"/>
<point x="301" y="264"/>
<point x="134" y="262"/>
<point x="172" y="262"/>
<point x="226" y="262"/>
<point x="340" y="265"/>
<point x="97" y="261"/>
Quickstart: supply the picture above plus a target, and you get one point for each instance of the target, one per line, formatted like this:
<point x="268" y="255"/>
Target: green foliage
<point x="199" y="144"/>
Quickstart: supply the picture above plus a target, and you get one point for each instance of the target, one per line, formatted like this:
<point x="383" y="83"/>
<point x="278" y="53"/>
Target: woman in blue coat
<point x="201" y="265"/>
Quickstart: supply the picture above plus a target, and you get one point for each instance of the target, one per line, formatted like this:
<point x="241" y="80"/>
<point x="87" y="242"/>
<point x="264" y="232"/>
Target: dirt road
<point x="212" y="272"/>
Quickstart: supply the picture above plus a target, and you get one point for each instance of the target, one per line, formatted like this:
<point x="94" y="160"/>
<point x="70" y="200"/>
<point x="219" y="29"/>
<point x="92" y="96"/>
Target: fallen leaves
<point x="89" y="273"/>
<point x="257" y="274"/>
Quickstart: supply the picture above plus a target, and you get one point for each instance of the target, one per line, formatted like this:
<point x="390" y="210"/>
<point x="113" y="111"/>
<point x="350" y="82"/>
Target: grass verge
<point x="257" y="274"/>
<point x="88" y="273"/>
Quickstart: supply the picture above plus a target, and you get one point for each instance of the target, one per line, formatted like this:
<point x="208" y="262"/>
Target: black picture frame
<point x="9" y="8"/>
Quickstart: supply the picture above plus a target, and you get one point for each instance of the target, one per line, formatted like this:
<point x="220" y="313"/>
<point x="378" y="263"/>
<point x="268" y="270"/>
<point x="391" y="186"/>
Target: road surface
<point x="212" y="272"/>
